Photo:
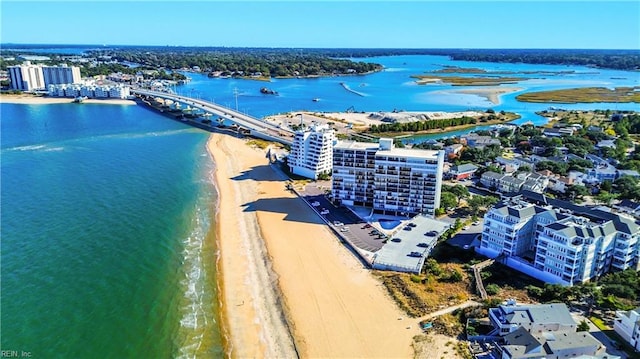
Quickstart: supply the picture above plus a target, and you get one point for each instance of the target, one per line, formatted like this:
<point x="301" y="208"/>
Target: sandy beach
<point x="40" y="100"/>
<point x="490" y="93"/>
<point x="288" y="284"/>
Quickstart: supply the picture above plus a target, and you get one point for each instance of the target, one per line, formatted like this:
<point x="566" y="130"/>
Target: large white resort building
<point x="390" y="180"/>
<point x="558" y="242"/>
<point x="28" y="77"/>
<point x="312" y="151"/>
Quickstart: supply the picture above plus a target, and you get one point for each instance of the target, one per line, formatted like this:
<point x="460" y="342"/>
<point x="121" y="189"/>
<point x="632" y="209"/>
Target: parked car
<point x="423" y="245"/>
<point x="315" y="204"/>
<point x="415" y="254"/>
<point x="396" y="240"/>
<point x="324" y="211"/>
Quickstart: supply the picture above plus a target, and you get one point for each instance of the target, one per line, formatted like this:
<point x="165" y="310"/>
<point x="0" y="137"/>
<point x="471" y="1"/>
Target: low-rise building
<point x="627" y="325"/>
<point x="540" y="331"/>
<point x="90" y="91"/>
<point x="462" y="172"/>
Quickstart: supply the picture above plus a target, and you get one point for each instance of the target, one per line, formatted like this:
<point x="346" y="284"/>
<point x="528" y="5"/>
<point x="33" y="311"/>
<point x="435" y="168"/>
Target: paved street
<point x="598" y="334"/>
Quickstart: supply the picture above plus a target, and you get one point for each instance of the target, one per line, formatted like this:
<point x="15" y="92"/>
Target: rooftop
<point x="420" y="239"/>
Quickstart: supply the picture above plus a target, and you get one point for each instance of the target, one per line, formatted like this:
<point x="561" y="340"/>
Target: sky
<point x="335" y="24"/>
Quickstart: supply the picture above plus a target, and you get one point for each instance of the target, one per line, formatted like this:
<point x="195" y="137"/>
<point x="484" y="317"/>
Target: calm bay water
<point x="105" y="211"/>
<point x="105" y="208"/>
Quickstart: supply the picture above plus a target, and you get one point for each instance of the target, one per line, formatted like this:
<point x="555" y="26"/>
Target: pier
<point x="247" y="124"/>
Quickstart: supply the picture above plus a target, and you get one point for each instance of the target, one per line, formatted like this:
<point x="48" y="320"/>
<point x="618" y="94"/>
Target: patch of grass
<point x="587" y="94"/>
<point x="599" y="323"/>
<point x="261" y="144"/>
<point x="470" y="81"/>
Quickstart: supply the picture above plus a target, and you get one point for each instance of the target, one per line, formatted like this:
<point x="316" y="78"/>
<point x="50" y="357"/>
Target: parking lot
<point x="350" y="226"/>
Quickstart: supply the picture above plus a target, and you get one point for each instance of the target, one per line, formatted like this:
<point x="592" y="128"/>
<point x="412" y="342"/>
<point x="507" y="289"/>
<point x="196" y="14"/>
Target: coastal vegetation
<point x="468" y="81"/>
<point x="448" y="69"/>
<point x="586" y="94"/>
<point x="439" y="125"/>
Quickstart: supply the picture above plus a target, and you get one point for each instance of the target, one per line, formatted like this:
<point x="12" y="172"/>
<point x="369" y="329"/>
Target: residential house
<point x="474" y="140"/>
<point x="559" y="132"/>
<point x="501" y="183"/>
<point x="627" y="325"/>
<point x="453" y="150"/>
<point x="464" y="171"/>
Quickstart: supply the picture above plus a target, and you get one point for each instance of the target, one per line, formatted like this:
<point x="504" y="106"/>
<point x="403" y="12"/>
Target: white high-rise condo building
<point x="56" y="75"/>
<point x="560" y="242"/>
<point x="393" y="181"/>
<point x="26" y="77"/>
<point x="312" y="152"/>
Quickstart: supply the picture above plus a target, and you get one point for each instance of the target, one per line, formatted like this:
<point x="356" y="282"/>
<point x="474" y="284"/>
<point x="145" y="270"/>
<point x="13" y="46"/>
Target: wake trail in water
<point x="67" y="144"/>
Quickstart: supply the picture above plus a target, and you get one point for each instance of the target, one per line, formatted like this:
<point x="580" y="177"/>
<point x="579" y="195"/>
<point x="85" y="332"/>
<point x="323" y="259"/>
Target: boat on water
<point x="80" y="99"/>
<point x="268" y="91"/>
<point x="316" y="99"/>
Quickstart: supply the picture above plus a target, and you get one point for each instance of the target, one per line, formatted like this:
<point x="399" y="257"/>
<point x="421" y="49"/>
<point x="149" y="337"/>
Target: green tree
<point x="606" y="197"/>
<point x="459" y="192"/>
<point x="448" y="200"/>
<point x="583" y="326"/>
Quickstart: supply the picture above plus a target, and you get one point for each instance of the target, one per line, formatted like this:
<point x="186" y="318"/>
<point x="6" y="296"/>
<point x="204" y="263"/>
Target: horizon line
<point x="4" y="44"/>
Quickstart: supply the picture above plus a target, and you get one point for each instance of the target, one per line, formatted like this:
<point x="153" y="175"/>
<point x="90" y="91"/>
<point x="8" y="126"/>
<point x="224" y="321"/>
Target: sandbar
<point x="316" y="298"/>
<point x="45" y="100"/>
<point x="490" y="93"/>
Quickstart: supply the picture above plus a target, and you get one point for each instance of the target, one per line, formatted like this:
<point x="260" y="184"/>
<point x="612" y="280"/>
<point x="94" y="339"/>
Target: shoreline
<point x="285" y="293"/>
<point x="251" y="325"/>
<point x="45" y="100"/>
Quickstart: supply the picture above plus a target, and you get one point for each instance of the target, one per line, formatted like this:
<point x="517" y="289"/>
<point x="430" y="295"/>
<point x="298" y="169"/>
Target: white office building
<point x="26" y="77"/>
<point x="393" y="181"/>
<point x="312" y="151"/>
<point x="56" y="75"/>
<point x="560" y="242"/>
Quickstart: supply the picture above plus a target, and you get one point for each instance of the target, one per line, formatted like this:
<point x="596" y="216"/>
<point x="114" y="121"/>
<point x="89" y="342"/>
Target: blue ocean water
<point x="105" y="222"/>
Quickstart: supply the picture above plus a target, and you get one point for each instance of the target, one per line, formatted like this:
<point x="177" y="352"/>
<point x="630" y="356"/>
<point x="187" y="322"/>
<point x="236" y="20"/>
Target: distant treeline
<point x="202" y="56"/>
<point x="610" y="59"/>
<point x="241" y="61"/>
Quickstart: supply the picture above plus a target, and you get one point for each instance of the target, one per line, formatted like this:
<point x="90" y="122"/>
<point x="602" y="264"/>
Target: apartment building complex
<point x="26" y="77"/>
<point x="312" y="151"/>
<point x="55" y="75"/>
<point x="560" y="242"/>
<point x="90" y="91"/>
<point x="393" y="181"/>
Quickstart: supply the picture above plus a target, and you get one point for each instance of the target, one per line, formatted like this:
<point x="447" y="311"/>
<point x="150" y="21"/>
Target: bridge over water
<point x="257" y="128"/>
